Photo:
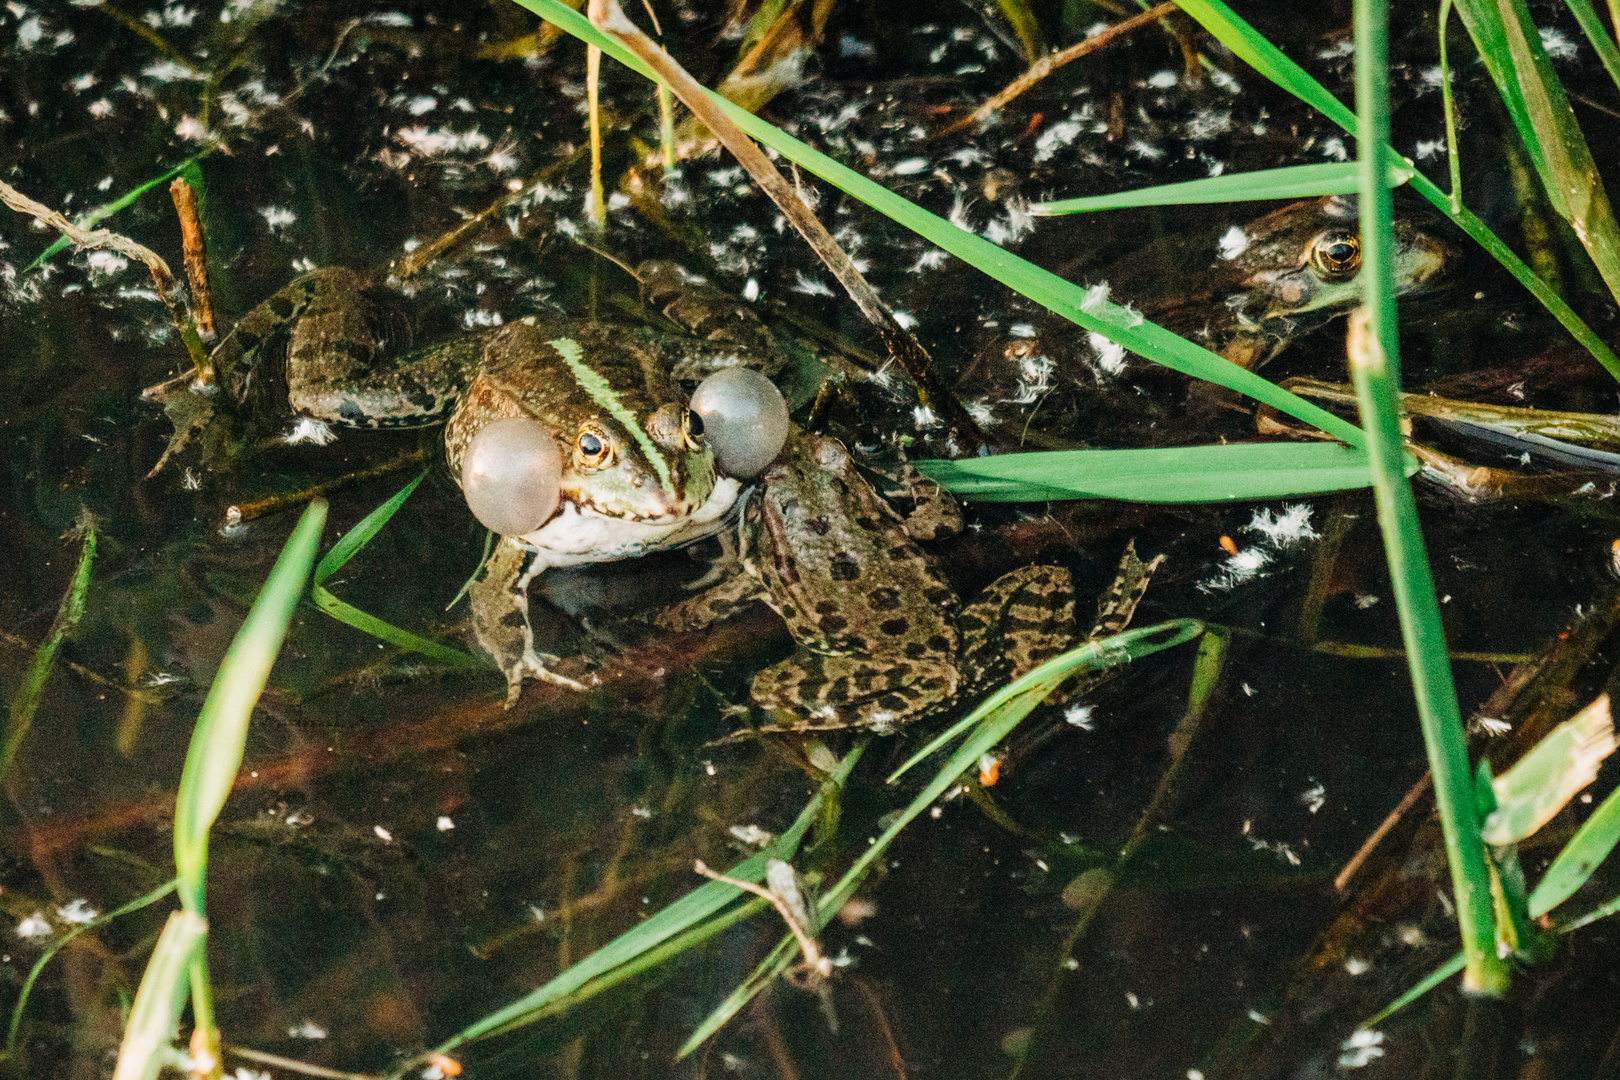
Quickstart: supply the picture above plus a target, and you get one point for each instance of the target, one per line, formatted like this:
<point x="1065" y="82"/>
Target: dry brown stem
<point x="1043" y="67"/>
<point x="965" y="439"/>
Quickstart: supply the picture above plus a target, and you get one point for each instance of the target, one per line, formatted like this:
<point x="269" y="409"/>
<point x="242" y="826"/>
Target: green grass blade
<point x="26" y="701"/>
<point x="1088" y="308"/>
<point x="1596" y="33"/>
<point x="1424" y="985"/>
<point x="1375" y="365"/>
<point x="62" y="942"/>
<point x="1267" y="59"/>
<point x="1035" y="685"/>
<point x="161" y="997"/>
<point x="384" y="631"/>
<point x="1589" y="846"/>
<point x="91" y="218"/>
<point x="680" y="917"/>
<point x="1293" y="182"/>
<point x="215" y="753"/>
<point x="775" y="963"/>
<point x="1183" y="474"/>
<point x="350" y="543"/>
<point x="1510" y="45"/>
<point x="991" y="722"/>
<point x="1252" y="48"/>
<point x="1555" y="770"/>
<point x="345" y="549"/>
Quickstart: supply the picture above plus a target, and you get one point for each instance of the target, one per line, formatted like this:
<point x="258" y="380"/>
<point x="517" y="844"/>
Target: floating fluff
<point x="511" y="475"/>
<point x="744" y="418"/>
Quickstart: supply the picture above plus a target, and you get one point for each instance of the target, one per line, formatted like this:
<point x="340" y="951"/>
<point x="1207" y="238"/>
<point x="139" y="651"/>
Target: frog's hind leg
<point x="1020" y="621"/>
<point x="824" y="693"/>
<point x="1118" y="604"/>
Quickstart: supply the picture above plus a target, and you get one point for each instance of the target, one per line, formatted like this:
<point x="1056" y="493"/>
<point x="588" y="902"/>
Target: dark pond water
<point x="402" y="856"/>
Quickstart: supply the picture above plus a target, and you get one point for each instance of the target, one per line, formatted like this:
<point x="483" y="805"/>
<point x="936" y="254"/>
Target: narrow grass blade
<point x="385" y="631"/>
<point x="350" y="543"/>
<point x="1106" y="652"/>
<point x="1589" y="846"/>
<point x="680" y="917"/>
<point x="1293" y="182"/>
<point x="1185" y="474"/>
<point x="1539" y="785"/>
<point x="26" y="701"/>
<point x="1266" y="58"/>
<point x="990" y="723"/>
<point x="62" y="942"/>
<point x="1510" y="45"/>
<point x="1598" y="35"/>
<point x="217" y="742"/>
<point x="769" y="969"/>
<point x="1375" y="365"/>
<point x="1090" y="309"/>
<point x="160" y="999"/>
<point x="1424" y="985"/>
<point x="106" y="210"/>
<point x="345" y="549"/>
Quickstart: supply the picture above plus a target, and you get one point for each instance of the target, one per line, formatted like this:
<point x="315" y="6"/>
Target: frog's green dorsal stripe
<point x="608" y="398"/>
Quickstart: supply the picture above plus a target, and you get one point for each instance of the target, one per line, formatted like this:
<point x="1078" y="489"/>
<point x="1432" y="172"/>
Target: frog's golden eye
<point x="692" y="430"/>
<point x="1336" y="255"/>
<point x="594" y="447"/>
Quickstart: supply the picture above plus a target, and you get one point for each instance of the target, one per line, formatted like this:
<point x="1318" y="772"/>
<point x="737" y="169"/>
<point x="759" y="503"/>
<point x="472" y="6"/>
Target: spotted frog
<point x="880" y="636"/>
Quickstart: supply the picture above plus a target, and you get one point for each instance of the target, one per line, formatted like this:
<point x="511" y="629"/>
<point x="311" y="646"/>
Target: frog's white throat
<point x="576" y="534"/>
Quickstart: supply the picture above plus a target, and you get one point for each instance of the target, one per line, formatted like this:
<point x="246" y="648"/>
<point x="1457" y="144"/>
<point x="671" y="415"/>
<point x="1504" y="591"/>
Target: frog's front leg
<point x="500" y="606"/>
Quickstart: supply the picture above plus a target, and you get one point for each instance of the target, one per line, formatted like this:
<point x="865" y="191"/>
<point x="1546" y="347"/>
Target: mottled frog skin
<point x="880" y="637"/>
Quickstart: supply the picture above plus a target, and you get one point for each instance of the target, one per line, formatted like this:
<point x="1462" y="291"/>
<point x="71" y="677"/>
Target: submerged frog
<point x="1251" y="290"/>
<point x="1247" y="292"/>
<point x="880" y="636"/>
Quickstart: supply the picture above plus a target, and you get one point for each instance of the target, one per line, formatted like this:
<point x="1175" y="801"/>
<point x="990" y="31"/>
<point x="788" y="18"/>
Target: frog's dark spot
<point x="883" y="599"/>
<point x="248" y="342"/>
<point x="971" y="622"/>
<point x="789" y="611"/>
<point x="818" y="525"/>
<point x="843" y="568"/>
<point x="895" y="627"/>
<point x="938" y="644"/>
<point x="834" y="624"/>
<point x="868" y="523"/>
<point x="826" y="607"/>
<point x="281" y="306"/>
<point x="894" y="702"/>
<point x="937" y="594"/>
<point x="914" y="650"/>
<point x="901" y="551"/>
<point x="351" y="412"/>
<point x="512" y="618"/>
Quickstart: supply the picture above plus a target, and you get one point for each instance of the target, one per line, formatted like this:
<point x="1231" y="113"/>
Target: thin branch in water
<point x="964" y="435"/>
<point x="1043" y="67"/>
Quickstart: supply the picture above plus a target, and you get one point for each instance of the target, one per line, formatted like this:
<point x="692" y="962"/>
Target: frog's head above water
<point x="1261" y="286"/>
<point x="637" y="473"/>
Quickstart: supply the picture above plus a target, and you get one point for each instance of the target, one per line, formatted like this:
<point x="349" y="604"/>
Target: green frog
<point x="637" y="474"/>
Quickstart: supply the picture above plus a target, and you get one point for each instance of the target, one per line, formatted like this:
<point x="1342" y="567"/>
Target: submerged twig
<point x="191" y="242"/>
<point x="1049" y="63"/>
<point x="167" y="288"/>
<point x="789" y="903"/>
<point x="965" y="435"/>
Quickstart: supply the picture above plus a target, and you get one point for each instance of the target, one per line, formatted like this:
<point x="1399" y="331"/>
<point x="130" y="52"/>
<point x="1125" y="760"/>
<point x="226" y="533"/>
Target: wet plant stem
<point x="1375" y="365"/>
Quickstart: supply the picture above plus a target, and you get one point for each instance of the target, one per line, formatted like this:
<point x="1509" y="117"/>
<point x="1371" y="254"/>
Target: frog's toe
<point x="534" y="666"/>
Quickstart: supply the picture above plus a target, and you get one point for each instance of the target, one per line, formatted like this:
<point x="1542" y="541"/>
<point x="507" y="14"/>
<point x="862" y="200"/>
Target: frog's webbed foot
<point x="500" y="606"/>
<point x="1118" y="604"/>
<point x="1020" y="621"/>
